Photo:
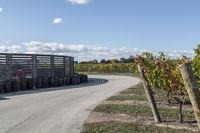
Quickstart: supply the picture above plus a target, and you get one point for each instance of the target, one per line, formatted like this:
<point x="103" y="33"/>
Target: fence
<point x="22" y="71"/>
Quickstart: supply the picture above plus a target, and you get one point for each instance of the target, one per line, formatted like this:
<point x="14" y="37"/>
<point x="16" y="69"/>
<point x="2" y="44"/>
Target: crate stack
<point x="20" y="72"/>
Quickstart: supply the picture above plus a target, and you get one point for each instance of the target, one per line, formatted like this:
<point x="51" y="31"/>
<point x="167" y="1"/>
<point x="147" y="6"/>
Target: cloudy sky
<point x="94" y="29"/>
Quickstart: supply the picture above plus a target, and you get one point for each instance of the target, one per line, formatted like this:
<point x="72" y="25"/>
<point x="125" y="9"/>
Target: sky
<point x="95" y="29"/>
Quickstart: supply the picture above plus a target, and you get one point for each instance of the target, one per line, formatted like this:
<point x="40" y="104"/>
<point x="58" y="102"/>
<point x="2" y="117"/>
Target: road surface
<point x="61" y="110"/>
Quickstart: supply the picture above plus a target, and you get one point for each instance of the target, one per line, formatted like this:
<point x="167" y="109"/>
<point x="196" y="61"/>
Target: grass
<point x="128" y="97"/>
<point x="167" y="113"/>
<point x="144" y="110"/>
<point x="125" y="109"/>
<point x="119" y="127"/>
<point x="136" y="96"/>
<point x="133" y="110"/>
<point x="134" y="90"/>
<point x="139" y="94"/>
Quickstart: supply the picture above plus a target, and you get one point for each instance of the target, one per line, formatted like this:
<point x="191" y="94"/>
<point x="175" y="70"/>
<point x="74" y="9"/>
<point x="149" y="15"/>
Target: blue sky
<point x="104" y="25"/>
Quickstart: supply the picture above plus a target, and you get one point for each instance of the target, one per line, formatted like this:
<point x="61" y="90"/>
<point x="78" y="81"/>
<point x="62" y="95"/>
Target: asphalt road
<point x="57" y="110"/>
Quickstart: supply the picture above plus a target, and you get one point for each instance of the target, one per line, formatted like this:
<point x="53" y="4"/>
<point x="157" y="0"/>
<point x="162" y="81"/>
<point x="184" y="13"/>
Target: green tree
<point x="196" y="63"/>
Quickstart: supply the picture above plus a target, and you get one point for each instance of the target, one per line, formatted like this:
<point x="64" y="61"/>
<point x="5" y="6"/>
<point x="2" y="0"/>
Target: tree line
<point x="109" y="61"/>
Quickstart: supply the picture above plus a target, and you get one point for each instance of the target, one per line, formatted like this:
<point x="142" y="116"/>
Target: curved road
<point x="56" y="111"/>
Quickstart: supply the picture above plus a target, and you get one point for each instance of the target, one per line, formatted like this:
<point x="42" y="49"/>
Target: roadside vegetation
<point x="118" y="68"/>
<point x="120" y="127"/>
<point x="133" y="114"/>
<point x="174" y="97"/>
<point x="129" y="65"/>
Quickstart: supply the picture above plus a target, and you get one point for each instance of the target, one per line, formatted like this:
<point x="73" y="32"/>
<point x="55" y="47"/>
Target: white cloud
<point x="83" y="52"/>
<point x="180" y="53"/>
<point x="80" y="51"/>
<point x="57" y="21"/>
<point x="79" y="2"/>
<point x="10" y="49"/>
<point x="1" y="9"/>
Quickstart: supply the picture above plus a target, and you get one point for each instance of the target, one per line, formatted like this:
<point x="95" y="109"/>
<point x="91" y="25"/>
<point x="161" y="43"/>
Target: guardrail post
<point x="192" y="89"/>
<point x="149" y="95"/>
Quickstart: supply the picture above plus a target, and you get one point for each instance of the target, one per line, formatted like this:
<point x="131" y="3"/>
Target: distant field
<point x="99" y="73"/>
<point x="126" y="68"/>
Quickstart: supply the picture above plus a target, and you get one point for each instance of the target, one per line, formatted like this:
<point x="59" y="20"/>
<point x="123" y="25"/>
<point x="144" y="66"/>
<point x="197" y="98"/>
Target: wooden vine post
<point x="192" y="89"/>
<point x="149" y="95"/>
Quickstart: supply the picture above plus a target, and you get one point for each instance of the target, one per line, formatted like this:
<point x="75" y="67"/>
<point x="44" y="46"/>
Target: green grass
<point x="140" y="95"/>
<point x="118" y="127"/>
<point x="128" y="97"/>
<point x="137" y="90"/>
<point x="169" y="114"/>
<point x="134" y="90"/>
<point x="126" y="109"/>
<point x="142" y="110"/>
